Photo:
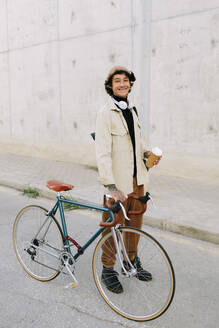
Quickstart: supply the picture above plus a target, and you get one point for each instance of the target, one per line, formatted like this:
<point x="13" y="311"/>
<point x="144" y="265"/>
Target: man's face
<point x="120" y="85"/>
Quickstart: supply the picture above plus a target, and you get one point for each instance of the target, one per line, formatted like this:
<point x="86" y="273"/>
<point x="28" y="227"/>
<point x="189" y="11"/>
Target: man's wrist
<point x="111" y="187"/>
<point x="146" y="154"/>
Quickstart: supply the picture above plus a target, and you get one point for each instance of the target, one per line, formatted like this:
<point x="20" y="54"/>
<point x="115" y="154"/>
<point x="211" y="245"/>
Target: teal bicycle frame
<point x="67" y="238"/>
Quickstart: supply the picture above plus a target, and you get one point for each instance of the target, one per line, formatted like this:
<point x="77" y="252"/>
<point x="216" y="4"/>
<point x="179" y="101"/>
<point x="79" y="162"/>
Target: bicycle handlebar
<point x="115" y="208"/>
<point x="143" y="200"/>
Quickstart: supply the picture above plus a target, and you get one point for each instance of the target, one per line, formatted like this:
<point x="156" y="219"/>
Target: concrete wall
<point x="54" y="55"/>
<point x="184" y="113"/>
<point x="185" y="75"/>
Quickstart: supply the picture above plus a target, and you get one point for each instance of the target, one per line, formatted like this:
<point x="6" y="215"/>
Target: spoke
<point x="56" y="249"/>
<point x="46" y="266"/>
<point x="38" y="243"/>
<point x="141" y="300"/>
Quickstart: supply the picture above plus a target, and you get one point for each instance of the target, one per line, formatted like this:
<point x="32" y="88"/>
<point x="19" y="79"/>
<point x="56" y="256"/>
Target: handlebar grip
<point x="143" y="200"/>
<point x="146" y="198"/>
<point x="115" y="208"/>
<point x="110" y="224"/>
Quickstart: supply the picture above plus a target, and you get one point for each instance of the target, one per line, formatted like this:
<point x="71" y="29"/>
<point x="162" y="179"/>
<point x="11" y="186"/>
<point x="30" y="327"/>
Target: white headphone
<point x="122" y="104"/>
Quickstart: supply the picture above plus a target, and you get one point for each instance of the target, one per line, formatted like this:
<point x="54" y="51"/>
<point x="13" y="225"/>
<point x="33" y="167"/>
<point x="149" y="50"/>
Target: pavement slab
<point x="183" y="205"/>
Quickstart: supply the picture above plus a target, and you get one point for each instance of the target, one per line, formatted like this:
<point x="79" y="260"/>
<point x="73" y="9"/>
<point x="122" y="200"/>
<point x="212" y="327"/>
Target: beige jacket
<point x="114" y="151"/>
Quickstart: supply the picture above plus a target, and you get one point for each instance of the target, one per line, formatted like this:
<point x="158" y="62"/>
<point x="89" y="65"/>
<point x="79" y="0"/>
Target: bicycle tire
<point x="140" y="300"/>
<point x="35" y="237"/>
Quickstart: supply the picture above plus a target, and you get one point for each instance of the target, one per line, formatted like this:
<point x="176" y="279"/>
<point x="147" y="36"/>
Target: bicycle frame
<point x="44" y="249"/>
<point x="119" y="244"/>
<point x="67" y="238"/>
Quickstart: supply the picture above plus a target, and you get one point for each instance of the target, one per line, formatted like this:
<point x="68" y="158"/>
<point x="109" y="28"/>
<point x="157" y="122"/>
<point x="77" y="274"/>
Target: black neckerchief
<point x="127" y="114"/>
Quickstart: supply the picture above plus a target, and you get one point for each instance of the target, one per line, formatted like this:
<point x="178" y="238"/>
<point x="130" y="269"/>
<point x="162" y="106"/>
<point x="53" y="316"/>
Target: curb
<point x="162" y="224"/>
<point x="180" y="229"/>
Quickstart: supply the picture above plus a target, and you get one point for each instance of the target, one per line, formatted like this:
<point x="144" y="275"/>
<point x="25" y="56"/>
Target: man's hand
<point x="115" y="193"/>
<point x="147" y="154"/>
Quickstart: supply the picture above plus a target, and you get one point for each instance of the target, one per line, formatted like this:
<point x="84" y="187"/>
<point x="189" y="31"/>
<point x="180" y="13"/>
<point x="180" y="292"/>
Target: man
<point x="120" y="153"/>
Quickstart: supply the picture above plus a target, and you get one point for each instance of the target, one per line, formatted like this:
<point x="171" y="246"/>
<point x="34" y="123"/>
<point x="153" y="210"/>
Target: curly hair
<point x="108" y="82"/>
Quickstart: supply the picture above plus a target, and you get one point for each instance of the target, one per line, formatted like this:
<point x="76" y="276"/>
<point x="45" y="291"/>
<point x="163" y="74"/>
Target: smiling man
<point x="120" y="151"/>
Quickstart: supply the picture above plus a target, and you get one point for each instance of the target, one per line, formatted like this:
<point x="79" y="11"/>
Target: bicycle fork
<point x="122" y="252"/>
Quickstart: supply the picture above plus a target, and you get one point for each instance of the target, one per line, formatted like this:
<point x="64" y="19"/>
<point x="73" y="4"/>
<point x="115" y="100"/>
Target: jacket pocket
<point x="120" y="132"/>
<point x="120" y="141"/>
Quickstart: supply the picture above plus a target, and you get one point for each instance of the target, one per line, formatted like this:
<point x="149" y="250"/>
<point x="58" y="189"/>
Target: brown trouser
<point x="130" y="240"/>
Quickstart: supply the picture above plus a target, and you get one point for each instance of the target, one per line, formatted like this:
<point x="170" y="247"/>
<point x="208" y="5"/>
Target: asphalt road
<point x="25" y="302"/>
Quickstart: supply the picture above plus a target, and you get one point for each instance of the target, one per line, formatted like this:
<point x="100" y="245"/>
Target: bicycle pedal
<point x="71" y="285"/>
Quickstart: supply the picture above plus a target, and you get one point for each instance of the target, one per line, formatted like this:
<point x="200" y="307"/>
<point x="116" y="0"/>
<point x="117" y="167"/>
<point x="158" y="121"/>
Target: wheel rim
<point x="140" y="300"/>
<point x="34" y="250"/>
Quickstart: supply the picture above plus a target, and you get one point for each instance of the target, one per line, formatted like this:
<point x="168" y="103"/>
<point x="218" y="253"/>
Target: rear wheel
<point x="140" y="300"/>
<point x="38" y="243"/>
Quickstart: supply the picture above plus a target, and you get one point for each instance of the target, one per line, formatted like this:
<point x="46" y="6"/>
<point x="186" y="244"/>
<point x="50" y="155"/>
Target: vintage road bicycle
<point x="44" y="249"/>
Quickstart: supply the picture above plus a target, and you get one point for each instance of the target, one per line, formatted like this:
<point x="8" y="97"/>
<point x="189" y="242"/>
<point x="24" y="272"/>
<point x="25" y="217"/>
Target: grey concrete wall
<point x="54" y="55"/>
<point x="184" y="112"/>
<point x="185" y="76"/>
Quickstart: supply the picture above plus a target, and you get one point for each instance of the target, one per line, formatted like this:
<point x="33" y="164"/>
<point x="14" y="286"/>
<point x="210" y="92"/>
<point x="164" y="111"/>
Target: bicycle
<point x="44" y="249"/>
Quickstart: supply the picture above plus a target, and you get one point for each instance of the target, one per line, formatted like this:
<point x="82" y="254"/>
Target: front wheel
<point x="140" y="300"/>
<point x="38" y="242"/>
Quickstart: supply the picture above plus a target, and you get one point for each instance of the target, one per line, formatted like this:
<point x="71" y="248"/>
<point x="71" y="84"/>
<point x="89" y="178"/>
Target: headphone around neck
<point x="122" y="104"/>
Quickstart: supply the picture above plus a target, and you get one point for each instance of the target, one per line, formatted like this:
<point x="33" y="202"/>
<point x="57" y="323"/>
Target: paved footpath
<point x="185" y="206"/>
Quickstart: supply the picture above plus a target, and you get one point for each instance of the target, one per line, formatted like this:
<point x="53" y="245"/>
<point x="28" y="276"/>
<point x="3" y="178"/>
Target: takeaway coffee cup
<point x="155" y="154"/>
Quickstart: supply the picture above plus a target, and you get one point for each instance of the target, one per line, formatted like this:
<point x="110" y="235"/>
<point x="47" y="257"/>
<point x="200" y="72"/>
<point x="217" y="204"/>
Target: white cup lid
<point x="157" y="151"/>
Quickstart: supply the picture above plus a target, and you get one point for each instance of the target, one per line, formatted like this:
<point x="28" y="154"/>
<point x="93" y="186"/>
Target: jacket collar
<point x="113" y="106"/>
